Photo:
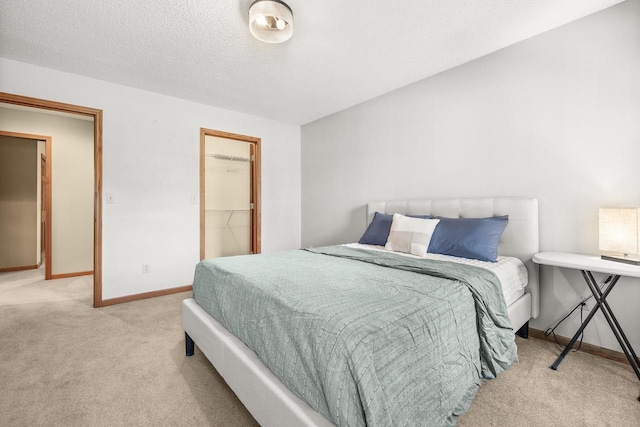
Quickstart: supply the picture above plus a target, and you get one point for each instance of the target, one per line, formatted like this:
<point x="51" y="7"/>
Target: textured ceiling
<point x="342" y="52"/>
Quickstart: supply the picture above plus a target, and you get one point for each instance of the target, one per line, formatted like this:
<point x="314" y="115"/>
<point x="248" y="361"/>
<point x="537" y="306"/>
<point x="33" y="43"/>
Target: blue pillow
<point x="475" y="238"/>
<point x="378" y="231"/>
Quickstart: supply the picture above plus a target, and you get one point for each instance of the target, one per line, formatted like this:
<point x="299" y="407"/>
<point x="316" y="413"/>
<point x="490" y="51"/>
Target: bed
<point x="265" y="394"/>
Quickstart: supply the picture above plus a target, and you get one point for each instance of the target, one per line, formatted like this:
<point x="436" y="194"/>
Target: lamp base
<point x="623" y="260"/>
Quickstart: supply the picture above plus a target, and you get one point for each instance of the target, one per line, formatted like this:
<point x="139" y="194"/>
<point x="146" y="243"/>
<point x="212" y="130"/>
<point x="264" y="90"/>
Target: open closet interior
<point x="227" y="197"/>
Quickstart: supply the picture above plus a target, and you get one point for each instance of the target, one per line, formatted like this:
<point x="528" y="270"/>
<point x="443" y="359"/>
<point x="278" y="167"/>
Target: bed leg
<point x="189" y="344"/>
<point x="524" y="331"/>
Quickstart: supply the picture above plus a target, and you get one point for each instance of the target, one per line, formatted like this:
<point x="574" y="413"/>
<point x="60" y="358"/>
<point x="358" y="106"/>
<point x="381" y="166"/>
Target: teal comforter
<point x="359" y="335"/>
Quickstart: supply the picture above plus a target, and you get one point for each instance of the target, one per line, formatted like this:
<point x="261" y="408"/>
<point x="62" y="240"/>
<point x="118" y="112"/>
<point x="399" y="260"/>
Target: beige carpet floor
<point x="63" y="363"/>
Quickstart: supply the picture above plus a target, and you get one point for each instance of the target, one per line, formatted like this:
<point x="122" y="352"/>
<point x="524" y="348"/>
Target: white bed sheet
<point x="511" y="272"/>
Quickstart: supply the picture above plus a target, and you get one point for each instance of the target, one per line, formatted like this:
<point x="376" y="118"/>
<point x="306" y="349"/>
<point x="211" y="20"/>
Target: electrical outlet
<point x="146" y="269"/>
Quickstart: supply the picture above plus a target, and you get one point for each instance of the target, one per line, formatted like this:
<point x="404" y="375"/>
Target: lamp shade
<point x="619" y="230"/>
<point x="271" y="21"/>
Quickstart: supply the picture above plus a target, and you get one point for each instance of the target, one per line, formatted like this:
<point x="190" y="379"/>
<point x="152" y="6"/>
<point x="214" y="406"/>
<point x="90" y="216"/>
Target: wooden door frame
<point x="256" y="212"/>
<point x="96" y="114"/>
<point x="43" y="202"/>
<point x="47" y="195"/>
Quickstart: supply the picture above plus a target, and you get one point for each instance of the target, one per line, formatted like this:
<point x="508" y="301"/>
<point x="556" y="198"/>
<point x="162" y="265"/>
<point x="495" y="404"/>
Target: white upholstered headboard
<point x="520" y="238"/>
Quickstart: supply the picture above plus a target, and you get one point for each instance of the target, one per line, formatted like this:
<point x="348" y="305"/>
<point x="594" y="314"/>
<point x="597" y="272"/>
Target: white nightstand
<point x="587" y="264"/>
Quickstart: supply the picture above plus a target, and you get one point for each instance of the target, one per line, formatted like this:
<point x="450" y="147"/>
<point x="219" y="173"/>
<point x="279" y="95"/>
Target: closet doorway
<point x="229" y="194"/>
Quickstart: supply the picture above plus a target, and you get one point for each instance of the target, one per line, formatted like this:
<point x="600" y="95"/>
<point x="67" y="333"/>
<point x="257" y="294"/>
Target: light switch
<point x="111" y="198"/>
<point x="194" y="199"/>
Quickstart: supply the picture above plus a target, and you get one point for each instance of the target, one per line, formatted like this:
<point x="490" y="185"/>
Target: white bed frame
<point x="264" y="395"/>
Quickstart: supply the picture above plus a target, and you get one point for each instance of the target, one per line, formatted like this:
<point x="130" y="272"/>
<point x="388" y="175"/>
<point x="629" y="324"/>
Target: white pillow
<point x="410" y="235"/>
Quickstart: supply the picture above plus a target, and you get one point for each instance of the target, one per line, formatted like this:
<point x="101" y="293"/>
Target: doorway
<point x="23" y="201"/>
<point x="96" y="115"/>
<point x="229" y="194"/>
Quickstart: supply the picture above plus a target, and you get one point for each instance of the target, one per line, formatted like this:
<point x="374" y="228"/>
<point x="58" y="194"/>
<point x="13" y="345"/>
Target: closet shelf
<point x="227" y="157"/>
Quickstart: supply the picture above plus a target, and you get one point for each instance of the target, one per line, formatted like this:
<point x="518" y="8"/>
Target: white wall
<point x="151" y="165"/>
<point x="555" y="117"/>
<point x="72" y="179"/>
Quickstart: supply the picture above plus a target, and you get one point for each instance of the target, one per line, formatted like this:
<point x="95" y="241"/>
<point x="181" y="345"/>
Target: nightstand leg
<point x="613" y="322"/>
<point x="601" y="302"/>
<point x="568" y="348"/>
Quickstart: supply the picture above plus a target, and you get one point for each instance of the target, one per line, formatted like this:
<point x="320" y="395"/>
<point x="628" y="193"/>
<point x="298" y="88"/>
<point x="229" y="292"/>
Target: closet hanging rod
<point x="227" y="157"/>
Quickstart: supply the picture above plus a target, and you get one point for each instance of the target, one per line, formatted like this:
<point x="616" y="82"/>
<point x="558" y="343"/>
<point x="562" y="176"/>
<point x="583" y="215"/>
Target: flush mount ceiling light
<point x="271" y="21"/>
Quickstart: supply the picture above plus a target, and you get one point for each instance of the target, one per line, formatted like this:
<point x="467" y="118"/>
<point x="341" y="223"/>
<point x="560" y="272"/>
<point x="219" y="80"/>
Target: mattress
<point x="511" y="272"/>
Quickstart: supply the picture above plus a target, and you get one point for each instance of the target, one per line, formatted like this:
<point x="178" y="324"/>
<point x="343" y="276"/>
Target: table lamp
<point x="620" y="234"/>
